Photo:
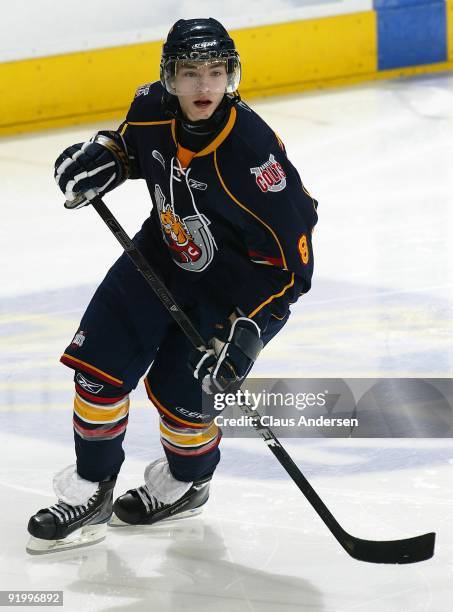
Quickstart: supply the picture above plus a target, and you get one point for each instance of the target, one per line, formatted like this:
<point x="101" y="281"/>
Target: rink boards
<point x="363" y="40"/>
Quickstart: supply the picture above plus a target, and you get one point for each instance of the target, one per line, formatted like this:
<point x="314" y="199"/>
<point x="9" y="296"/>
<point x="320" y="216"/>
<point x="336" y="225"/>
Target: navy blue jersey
<point x="232" y="222"/>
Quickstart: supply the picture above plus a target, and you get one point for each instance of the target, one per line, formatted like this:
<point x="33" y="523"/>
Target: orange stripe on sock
<point x="100" y="414"/>
<point x="192" y="452"/>
<point x="190" y="439"/>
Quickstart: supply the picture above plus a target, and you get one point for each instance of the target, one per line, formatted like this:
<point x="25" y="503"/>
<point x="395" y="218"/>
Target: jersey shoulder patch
<point x="143" y="90"/>
<point x="260" y="152"/>
<point x="147" y="103"/>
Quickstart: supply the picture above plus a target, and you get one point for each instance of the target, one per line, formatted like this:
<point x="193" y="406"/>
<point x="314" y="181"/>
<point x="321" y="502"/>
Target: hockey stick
<point x="409" y="550"/>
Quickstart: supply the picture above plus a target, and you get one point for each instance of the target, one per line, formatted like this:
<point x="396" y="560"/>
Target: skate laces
<point x="64" y="512"/>
<point x="149" y="501"/>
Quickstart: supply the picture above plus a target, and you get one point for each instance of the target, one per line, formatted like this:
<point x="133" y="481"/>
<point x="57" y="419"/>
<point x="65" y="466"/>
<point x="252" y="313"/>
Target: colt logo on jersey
<point x="177" y="231"/>
<point x="189" y="239"/>
<point x="270" y="176"/>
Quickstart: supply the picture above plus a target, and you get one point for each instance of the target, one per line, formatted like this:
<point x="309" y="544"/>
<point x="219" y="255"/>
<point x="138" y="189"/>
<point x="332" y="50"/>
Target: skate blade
<point x="116" y="522"/>
<point x="85" y="536"/>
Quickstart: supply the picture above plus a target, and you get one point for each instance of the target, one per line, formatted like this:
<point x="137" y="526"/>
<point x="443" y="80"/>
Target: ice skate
<point x="161" y="498"/>
<point x="64" y="525"/>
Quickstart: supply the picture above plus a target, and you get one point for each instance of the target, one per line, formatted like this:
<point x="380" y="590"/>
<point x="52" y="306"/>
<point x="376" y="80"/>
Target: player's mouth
<point x="203" y="104"/>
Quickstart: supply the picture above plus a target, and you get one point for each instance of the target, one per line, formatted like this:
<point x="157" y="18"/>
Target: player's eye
<point x="189" y="73"/>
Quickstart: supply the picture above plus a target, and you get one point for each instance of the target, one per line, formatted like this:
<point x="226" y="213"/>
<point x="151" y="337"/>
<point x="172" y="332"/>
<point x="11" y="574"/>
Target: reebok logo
<point x="88" y="385"/>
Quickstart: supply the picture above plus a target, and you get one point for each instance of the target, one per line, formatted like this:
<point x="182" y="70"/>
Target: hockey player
<point x="230" y="236"/>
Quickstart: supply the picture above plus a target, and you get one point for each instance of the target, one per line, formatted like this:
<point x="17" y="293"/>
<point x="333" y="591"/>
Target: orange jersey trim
<point x="173" y="131"/>
<point x="280" y="142"/>
<point x="278" y="318"/>
<point x="212" y="146"/>
<point x="161" y="408"/>
<point x="273" y="297"/>
<point x="72" y="362"/>
<point x="165" y="122"/>
<point x="249" y="211"/>
<point x="184" y="155"/>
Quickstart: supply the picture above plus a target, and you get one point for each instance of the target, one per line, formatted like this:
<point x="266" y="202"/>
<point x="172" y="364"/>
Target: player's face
<point x="200" y="87"/>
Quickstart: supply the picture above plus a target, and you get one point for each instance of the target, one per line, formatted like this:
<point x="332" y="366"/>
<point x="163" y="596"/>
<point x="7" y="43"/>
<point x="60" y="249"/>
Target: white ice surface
<point x="379" y="160"/>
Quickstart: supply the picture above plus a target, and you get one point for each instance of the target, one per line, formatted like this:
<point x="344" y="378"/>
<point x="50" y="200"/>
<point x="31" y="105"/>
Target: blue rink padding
<point x="411" y="32"/>
<point x="389" y="4"/>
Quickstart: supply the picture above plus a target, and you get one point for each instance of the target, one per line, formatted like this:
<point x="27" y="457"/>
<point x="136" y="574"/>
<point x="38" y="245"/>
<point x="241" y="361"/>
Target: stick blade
<point x="411" y="550"/>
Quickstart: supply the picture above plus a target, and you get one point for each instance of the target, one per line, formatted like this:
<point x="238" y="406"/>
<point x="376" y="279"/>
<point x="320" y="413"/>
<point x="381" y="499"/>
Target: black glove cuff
<point x="247" y="341"/>
<point x="113" y="141"/>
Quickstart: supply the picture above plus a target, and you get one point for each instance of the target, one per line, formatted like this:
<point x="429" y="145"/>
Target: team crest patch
<point x="143" y="90"/>
<point x="79" y="338"/>
<point x="189" y="238"/>
<point x="270" y="176"/>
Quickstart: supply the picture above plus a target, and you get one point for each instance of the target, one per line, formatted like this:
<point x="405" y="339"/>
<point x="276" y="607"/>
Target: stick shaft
<point x="398" y="551"/>
<point x="192" y="334"/>
<point x="145" y="269"/>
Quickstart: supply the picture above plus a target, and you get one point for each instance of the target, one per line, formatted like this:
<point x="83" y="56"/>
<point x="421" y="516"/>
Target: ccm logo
<point x="203" y="45"/>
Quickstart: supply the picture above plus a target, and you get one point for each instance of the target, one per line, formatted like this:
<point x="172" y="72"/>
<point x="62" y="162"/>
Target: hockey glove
<point x="92" y="168"/>
<point x="229" y="357"/>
